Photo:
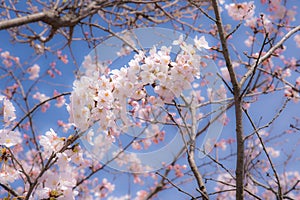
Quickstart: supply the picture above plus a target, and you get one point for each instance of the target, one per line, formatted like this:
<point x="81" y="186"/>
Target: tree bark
<point x="238" y="106"/>
<point x="10" y="23"/>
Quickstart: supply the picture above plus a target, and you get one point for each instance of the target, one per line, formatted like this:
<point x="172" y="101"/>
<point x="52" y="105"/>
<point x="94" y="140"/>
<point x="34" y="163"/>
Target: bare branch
<point x="37" y="106"/>
<point x="237" y="104"/>
<point x="9" y="190"/>
<point x="268" y="54"/>
<point x="174" y="185"/>
<point x="10" y="23"/>
<point x="191" y="154"/>
<point x="279" y="191"/>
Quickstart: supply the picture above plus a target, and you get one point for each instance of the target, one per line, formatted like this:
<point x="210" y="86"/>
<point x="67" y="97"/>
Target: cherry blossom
<point x="42" y="97"/>
<point x="272" y="152"/>
<point x="201" y="43"/>
<point x="34" y="72"/>
<point x="136" y="145"/>
<point x="51" y="142"/>
<point x="65" y="126"/>
<point x="226" y="182"/>
<point x="6" y="59"/>
<point x="297" y="40"/>
<point x="249" y="42"/>
<point x="63" y="58"/>
<point x="177" y="168"/>
<point x="105" y="187"/>
<point x="225" y="73"/>
<point x="8" y="174"/>
<point x="57" y="185"/>
<point x="291" y="93"/>
<point x="127" y="47"/>
<point x="8" y="110"/>
<point x="60" y="100"/>
<point x="298" y="81"/>
<point x="287" y="179"/>
<point x="240" y="11"/>
<point x="222" y="144"/>
<point x="5" y="55"/>
<point x="106" y="96"/>
<point x="141" y="195"/>
<point x="9" y="138"/>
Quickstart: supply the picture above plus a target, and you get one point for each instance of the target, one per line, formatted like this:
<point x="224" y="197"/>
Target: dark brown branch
<point x="37" y="106"/>
<point x="174" y="185"/>
<point x="9" y="190"/>
<point x="237" y="103"/>
<point x="256" y="65"/>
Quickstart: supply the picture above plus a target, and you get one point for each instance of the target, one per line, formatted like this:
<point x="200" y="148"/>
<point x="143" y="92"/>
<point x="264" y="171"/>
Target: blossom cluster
<point x="241" y="11"/>
<point x="133" y="96"/>
<point x="104" y="98"/>
<point x="8" y="138"/>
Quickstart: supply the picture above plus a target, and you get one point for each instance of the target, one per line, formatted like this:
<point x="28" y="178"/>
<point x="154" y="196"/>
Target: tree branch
<point x="10" y="190"/>
<point x="279" y="191"/>
<point x="11" y="23"/>
<point x="174" y="185"/>
<point x="268" y="54"/>
<point x="191" y="155"/>
<point x="238" y="106"/>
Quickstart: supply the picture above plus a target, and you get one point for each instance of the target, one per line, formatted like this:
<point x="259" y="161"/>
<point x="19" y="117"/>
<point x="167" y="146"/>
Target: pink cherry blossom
<point x="272" y="152"/>
<point x="63" y="58"/>
<point x="298" y="81"/>
<point x="179" y="41"/>
<point x="9" y="138"/>
<point x="249" y="42"/>
<point x="5" y="55"/>
<point x="8" y="174"/>
<point x="201" y="43"/>
<point x="59" y="185"/>
<point x="51" y="142"/>
<point x="222" y="144"/>
<point x="178" y="169"/>
<point x="8" y="110"/>
<point x="60" y="100"/>
<point x="65" y="126"/>
<point x="104" y="99"/>
<point x="135" y="106"/>
<point x="141" y="195"/>
<point x="34" y="71"/>
<point x="240" y="11"/>
<point x="42" y="97"/>
<point x="297" y="40"/>
<point x="225" y="73"/>
<point x="291" y="93"/>
<point x="136" y="145"/>
<point x="105" y="188"/>
<point x="137" y="179"/>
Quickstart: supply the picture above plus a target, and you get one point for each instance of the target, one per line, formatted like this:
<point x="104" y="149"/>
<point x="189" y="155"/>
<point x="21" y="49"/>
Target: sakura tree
<point x="149" y="99"/>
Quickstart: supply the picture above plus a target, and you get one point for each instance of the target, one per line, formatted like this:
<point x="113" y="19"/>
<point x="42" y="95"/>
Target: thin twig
<point x="268" y="54"/>
<point x="174" y="185"/>
<point x="37" y="106"/>
<point x="279" y="192"/>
